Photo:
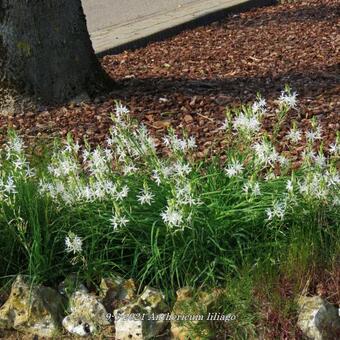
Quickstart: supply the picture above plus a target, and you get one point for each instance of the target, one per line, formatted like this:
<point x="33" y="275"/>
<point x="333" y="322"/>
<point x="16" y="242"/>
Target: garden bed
<point x="243" y="199"/>
<point x="172" y="222"/>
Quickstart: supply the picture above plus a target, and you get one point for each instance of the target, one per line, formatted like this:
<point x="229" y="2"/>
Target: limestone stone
<point x="115" y="292"/>
<point x="142" y="319"/>
<point x="87" y="316"/>
<point x="318" y="319"/>
<point x="32" y="309"/>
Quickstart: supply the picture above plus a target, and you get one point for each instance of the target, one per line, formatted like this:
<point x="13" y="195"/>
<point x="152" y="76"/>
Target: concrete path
<point x="115" y="25"/>
<point x="105" y="13"/>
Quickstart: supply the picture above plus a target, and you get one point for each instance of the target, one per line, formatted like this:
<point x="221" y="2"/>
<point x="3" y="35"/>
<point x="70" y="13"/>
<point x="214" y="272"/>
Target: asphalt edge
<point x="202" y="20"/>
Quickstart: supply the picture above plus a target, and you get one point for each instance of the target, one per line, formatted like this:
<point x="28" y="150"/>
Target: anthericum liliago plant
<point x="169" y="221"/>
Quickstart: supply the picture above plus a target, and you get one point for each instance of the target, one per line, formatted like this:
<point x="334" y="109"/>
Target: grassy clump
<point x="172" y="222"/>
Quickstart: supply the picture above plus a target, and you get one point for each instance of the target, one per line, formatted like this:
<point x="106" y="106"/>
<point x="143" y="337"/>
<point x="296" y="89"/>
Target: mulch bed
<point x="187" y="81"/>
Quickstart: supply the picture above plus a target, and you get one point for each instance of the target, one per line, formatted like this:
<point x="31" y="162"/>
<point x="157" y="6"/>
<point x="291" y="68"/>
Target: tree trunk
<point x="45" y="50"/>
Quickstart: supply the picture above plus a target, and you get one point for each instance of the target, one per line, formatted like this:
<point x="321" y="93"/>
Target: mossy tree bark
<point x="45" y="50"/>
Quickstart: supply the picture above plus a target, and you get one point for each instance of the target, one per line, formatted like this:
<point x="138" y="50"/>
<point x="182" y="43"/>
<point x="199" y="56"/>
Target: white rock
<point x="30" y="309"/>
<point x="318" y="319"/>
<point x="87" y="316"/>
<point x="139" y="319"/>
<point x="116" y="291"/>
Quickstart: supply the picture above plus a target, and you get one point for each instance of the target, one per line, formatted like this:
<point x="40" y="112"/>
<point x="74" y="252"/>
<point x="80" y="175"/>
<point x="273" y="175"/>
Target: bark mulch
<point x="187" y="81"/>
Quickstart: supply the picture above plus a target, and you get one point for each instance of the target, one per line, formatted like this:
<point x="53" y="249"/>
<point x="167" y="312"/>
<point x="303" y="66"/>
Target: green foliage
<point x="172" y="222"/>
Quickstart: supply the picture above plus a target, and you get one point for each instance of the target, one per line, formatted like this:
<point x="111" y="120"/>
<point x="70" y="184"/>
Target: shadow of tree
<point x="308" y="82"/>
<point x="302" y="14"/>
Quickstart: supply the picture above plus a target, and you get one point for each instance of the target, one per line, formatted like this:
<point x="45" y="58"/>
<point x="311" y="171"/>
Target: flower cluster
<point x="277" y="211"/>
<point x="288" y="98"/>
<point x="266" y="154"/>
<point x="127" y="176"/>
<point x="233" y="169"/>
<point x="176" y="144"/>
<point x="73" y="243"/>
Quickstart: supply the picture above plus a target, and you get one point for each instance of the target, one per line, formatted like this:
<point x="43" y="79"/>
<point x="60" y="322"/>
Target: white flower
<point x="118" y="221"/>
<point x="109" y="141"/>
<point x="108" y="186"/>
<point x="129" y="169"/>
<point x="156" y="177"/>
<point x="303" y="187"/>
<point x="9" y="186"/>
<point x="290" y="186"/>
<point x="308" y="154"/>
<point x="184" y="195"/>
<point x="262" y="103"/>
<point x="320" y="160"/>
<point x="269" y="213"/>
<point x="167" y="171"/>
<point x="85" y="155"/>
<point x="176" y="144"/>
<point x="121" y="109"/>
<point x="282" y="160"/>
<point x="234" y="169"/>
<point x="253" y="188"/>
<point x="120" y="195"/>
<point x="288" y="99"/>
<point x="108" y="154"/>
<point x="336" y="201"/>
<point x="273" y="156"/>
<point x="42" y="188"/>
<point x="67" y="167"/>
<point x="261" y="149"/>
<point x="145" y="197"/>
<point x="67" y="197"/>
<point x="68" y="147"/>
<point x="256" y="189"/>
<point x="314" y="186"/>
<point x="172" y="217"/>
<point x="259" y="106"/>
<point x="30" y="172"/>
<point x="14" y="145"/>
<point x="182" y="144"/>
<point x="265" y="153"/>
<point x="99" y="190"/>
<point x="294" y="135"/>
<point x="249" y="124"/>
<point x="19" y="164"/>
<point x="332" y="179"/>
<point x="76" y="147"/>
<point x="166" y="141"/>
<point x="278" y="210"/>
<point x="73" y="243"/>
<point x="86" y="193"/>
<point x="59" y="188"/>
<point x="334" y="148"/>
<point x="246" y="187"/>
<point x="312" y="136"/>
<point x="181" y="169"/>
<point x="191" y="142"/>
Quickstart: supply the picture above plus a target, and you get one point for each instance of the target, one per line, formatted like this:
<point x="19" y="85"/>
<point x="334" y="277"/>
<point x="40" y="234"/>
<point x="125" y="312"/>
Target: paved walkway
<point x="105" y="13"/>
<point x="118" y="24"/>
